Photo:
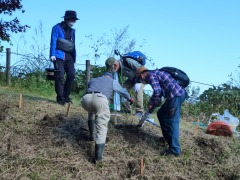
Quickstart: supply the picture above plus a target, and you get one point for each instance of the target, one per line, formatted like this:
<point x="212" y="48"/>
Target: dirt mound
<point x="4" y="108"/>
<point x="209" y="146"/>
<point x="6" y="105"/>
<point x="48" y="121"/>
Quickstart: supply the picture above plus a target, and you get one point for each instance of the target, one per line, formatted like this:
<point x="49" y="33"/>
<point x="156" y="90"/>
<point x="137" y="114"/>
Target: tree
<point x="104" y="46"/>
<point x="7" y="7"/>
<point x="217" y="99"/>
<point x="120" y="40"/>
<point x="235" y="80"/>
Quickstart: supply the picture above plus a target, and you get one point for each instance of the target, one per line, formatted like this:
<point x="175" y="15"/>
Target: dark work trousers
<point x="169" y="118"/>
<point x="63" y="89"/>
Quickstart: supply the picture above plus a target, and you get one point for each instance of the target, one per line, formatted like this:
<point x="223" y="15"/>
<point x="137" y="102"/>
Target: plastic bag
<point x="214" y="117"/>
<point x="117" y="100"/>
<point x="229" y="119"/>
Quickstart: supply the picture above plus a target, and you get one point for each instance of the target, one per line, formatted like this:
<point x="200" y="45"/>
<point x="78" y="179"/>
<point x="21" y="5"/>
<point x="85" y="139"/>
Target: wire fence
<point x="17" y="61"/>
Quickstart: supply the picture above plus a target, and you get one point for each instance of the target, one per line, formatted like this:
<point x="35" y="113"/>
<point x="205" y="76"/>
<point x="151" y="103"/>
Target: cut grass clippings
<point x="40" y="142"/>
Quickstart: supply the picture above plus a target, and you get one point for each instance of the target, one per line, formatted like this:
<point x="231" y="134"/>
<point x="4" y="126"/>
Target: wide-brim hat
<point x="70" y="15"/>
<point x="140" y="71"/>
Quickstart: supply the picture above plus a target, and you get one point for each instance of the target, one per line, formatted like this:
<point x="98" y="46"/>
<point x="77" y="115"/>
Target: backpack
<point x="136" y="55"/>
<point x="180" y="76"/>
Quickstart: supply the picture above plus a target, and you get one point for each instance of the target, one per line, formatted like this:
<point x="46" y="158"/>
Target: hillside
<point x="40" y="142"/>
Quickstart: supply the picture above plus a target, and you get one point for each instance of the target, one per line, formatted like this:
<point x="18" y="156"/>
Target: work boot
<point x="99" y="149"/>
<point x="92" y="126"/>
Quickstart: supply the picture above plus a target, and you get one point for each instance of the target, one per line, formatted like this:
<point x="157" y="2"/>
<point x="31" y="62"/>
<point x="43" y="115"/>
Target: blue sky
<point x="200" y="37"/>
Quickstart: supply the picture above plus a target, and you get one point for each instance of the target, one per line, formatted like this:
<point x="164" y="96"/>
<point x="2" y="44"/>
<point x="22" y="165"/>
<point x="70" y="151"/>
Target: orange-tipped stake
<point x="196" y="128"/>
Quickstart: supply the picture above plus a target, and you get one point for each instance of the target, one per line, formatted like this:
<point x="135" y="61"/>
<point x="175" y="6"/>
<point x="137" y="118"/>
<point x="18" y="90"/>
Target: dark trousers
<point x="63" y="88"/>
<point x="169" y="118"/>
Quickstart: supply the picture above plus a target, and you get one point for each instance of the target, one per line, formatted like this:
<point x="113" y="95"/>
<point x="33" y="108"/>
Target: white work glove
<point x="52" y="58"/>
<point x="137" y="87"/>
<point x="145" y="116"/>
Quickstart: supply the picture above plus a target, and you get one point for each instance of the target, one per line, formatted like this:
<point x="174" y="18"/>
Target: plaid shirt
<point x="163" y="84"/>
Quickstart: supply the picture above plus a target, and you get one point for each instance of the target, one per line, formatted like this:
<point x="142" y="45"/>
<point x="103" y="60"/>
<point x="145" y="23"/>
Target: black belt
<point x="93" y="92"/>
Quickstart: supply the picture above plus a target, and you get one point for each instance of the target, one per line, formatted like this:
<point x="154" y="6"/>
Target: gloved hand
<point x="52" y="58"/>
<point x="131" y="100"/>
<point x="137" y="87"/>
<point x="145" y="116"/>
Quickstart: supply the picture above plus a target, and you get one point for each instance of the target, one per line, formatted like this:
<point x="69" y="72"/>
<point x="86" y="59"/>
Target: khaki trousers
<point x="98" y="104"/>
<point x="139" y="96"/>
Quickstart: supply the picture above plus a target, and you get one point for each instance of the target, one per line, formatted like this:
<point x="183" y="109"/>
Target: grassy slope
<point x="40" y="142"/>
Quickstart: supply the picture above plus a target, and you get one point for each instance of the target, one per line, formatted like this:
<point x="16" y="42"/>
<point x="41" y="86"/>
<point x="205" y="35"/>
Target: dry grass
<point x="40" y="142"/>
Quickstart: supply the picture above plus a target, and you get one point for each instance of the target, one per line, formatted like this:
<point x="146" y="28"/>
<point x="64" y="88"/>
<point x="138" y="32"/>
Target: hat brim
<point x="70" y="18"/>
<point x="138" y="77"/>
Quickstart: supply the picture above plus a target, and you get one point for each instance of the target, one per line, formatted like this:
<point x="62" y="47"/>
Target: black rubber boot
<point x="99" y="150"/>
<point x="91" y="126"/>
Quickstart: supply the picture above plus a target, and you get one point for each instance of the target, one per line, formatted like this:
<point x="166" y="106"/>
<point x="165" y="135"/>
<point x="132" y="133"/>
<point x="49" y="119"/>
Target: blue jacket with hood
<point x="58" y="32"/>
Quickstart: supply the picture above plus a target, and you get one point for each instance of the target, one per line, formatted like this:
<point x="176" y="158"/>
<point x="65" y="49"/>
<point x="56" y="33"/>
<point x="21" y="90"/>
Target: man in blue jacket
<point x="63" y="55"/>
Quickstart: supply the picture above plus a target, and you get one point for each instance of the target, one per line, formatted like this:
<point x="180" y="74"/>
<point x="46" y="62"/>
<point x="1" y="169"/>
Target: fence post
<point x="87" y="72"/>
<point x="8" y="65"/>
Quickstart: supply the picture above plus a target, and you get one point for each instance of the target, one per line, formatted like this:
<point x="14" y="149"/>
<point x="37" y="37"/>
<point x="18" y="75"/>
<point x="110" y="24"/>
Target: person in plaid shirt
<point x="164" y="85"/>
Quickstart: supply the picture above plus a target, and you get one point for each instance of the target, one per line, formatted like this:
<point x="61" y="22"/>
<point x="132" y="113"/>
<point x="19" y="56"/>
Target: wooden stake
<point x="20" y="101"/>
<point x="131" y="115"/>
<point x="141" y="167"/>
<point x="115" y="119"/>
<point x="233" y="138"/>
<point x="196" y="128"/>
<point x="68" y="108"/>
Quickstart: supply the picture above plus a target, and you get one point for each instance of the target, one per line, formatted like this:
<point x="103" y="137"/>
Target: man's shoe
<point x="98" y="163"/>
<point x="168" y="153"/>
<point x="138" y="114"/>
<point x="163" y="141"/>
<point x="68" y="100"/>
<point x="61" y="102"/>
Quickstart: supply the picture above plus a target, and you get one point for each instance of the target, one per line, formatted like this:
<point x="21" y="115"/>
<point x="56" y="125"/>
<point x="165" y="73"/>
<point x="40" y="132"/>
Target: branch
<point x="8" y="6"/>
